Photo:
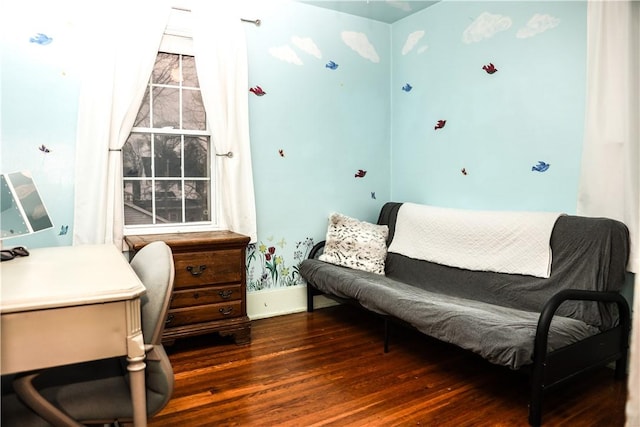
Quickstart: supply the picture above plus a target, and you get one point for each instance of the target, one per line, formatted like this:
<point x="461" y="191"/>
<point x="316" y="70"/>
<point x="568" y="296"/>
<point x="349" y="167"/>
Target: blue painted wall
<point x="331" y="123"/>
<point x="39" y="87"/>
<point x="498" y="126"/>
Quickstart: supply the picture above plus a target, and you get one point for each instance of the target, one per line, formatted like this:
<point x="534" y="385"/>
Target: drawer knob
<point x="169" y="319"/>
<point x="226" y="311"/>
<point x="196" y="295"/>
<point x="226" y="294"/>
<point x="196" y="271"/>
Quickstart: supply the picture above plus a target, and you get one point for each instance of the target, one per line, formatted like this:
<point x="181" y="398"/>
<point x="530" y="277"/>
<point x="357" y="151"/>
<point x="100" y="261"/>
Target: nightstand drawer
<point x="203" y="296"/>
<point x="208" y="268"/>
<point x="203" y="313"/>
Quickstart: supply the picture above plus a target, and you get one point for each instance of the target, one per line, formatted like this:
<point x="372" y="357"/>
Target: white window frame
<point x="177" y="40"/>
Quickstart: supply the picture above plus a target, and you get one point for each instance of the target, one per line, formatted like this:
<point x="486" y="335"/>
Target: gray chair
<point x="98" y="392"/>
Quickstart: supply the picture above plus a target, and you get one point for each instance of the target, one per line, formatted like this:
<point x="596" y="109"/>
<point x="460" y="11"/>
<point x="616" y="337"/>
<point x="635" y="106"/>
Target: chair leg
<point x="24" y="388"/>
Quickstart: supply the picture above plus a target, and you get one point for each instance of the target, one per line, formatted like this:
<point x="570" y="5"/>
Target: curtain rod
<point x="257" y="22"/>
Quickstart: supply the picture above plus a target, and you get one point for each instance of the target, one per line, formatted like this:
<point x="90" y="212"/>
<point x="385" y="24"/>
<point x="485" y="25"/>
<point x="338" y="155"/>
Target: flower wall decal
<point x="267" y="267"/>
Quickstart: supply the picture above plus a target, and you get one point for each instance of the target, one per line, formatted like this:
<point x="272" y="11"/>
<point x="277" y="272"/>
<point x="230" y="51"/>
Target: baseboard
<point x="277" y="302"/>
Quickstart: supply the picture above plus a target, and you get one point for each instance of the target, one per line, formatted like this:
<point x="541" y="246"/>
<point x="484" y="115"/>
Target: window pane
<point x="166" y="107"/>
<point x="168" y="201"/>
<point x="166" y="70"/>
<point x="167" y="155"/>
<point x="142" y="119"/>
<point x="197" y="200"/>
<point x="136" y="155"/>
<point x="196" y="156"/>
<point x="137" y="202"/>
<point x="166" y="172"/>
<point x="193" y="116"/>
<point x="189" y="75"/>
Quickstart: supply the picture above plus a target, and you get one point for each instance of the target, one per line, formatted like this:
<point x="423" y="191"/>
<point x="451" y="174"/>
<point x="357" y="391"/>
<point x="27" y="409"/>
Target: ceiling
<point x="388" y="11"/>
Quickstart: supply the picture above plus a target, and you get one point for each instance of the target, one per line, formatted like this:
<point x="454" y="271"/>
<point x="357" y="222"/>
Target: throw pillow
<point x="355" y="244"/>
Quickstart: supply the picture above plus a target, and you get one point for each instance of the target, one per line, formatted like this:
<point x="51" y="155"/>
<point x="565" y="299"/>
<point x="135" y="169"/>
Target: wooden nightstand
<point x="210" y="291"/>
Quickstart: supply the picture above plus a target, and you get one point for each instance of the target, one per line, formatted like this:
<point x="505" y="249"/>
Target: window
<point x="167" y="159"/>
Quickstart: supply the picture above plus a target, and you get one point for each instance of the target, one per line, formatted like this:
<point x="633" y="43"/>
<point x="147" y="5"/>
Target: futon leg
<point x="537" y="389"/>
<point x="621" y="366"/>
<point x="535" y="404"/>
<point x="309" y="299"/>
<point x="386" y="335"/>
<point x="535" y="412"/>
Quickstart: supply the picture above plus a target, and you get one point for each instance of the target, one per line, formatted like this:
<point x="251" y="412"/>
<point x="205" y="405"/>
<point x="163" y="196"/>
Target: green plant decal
<point x="267" y="268"/>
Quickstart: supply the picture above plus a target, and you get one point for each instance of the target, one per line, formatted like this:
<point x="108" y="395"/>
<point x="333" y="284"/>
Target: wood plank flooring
<point x="328" y="368"/>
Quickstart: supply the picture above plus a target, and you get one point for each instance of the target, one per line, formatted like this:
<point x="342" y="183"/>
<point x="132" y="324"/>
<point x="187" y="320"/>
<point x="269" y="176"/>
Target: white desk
<point x="72" y="304"/>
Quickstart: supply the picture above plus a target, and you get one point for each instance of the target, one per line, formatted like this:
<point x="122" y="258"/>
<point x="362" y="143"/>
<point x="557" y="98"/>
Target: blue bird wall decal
<point x="41" y="39"/>
<point x="540" y="167"/>
<point x="331" y="65"/>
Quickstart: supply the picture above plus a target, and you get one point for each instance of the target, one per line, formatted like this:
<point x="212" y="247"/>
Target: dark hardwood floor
<point x="328" y="368"/>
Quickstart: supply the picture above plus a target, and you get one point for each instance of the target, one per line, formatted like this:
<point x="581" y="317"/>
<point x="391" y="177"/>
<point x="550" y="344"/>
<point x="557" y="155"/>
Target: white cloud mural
<point x="307" y="45"/>
<point x="285" y="53"/>
<point x="536" y="25"/>
<point x="361" y="44"/>
<point x="412" y="41"/>
<point x="485" y="26"/>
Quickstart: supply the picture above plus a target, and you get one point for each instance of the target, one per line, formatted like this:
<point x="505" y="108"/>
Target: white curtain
<point x="221" y="62"/>
<point x="610" y="174"/>
<point x="121" y="47"/>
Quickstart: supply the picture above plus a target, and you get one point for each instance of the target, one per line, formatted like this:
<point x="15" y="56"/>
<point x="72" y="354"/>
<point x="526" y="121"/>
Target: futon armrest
<point x="317" y="250"/>
<point x="550" y="308"/>
<point x="574" y="362"/>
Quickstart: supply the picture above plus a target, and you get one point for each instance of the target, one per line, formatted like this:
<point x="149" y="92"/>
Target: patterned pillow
<point x="355" y="244"/>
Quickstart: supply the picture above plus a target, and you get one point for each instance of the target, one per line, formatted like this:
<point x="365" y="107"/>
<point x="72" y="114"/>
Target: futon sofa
<point x="532" y="291"/>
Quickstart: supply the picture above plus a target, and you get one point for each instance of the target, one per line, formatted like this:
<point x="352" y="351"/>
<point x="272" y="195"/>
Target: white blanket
<point x="499" y="241"/>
